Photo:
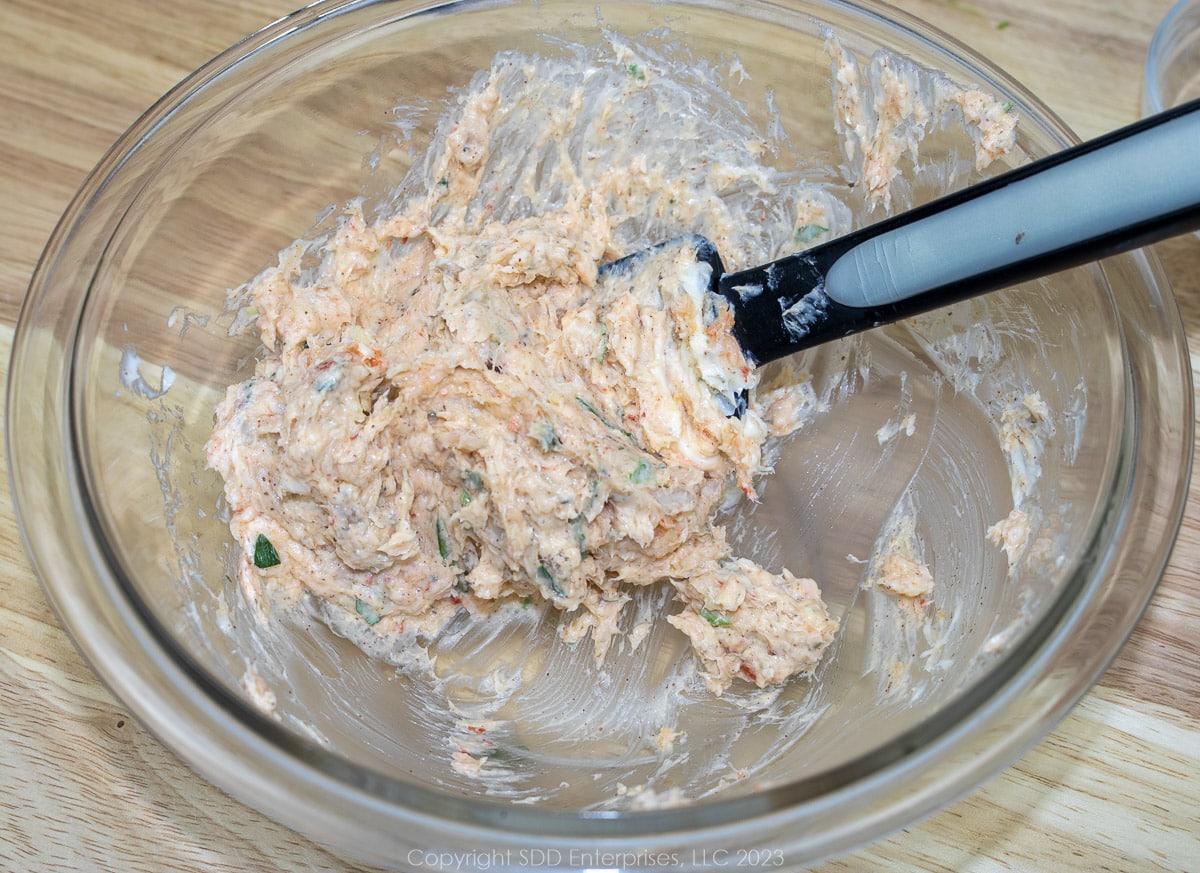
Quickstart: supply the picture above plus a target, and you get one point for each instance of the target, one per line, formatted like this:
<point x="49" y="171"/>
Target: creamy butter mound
<point x="458" y="406"/>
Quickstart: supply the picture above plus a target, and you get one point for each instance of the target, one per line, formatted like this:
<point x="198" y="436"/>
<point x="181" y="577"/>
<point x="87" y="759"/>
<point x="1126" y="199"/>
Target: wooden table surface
<point x="83" y="787"/>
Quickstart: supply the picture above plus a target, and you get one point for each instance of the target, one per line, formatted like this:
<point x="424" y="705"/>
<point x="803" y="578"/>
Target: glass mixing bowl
<point x="123" y="349"/>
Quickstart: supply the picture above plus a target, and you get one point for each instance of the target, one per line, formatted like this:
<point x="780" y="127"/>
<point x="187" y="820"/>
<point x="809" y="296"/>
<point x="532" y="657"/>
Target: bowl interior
<point x="342" y="109"/>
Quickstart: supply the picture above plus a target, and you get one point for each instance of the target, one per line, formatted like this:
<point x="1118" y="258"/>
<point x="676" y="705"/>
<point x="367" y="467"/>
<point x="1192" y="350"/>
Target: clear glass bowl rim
<point x="288" y="776"/>
<point x="1166" y="40"/>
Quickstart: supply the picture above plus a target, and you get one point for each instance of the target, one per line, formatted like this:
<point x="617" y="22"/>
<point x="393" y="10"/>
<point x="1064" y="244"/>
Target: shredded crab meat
<point x="461" y="402"/>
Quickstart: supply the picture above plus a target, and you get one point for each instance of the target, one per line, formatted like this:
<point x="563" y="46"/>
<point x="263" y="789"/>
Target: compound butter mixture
<point x="458" y="407"/>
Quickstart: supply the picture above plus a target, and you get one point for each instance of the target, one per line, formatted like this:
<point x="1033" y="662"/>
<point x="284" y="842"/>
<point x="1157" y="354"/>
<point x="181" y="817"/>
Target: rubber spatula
<point x="1126" y="189"/>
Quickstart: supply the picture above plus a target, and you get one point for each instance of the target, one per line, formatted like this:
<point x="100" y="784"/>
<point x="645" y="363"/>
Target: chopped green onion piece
<point x="327" y="380"/>
<point x="602" y="350"/>
<point x="635" y="71"/>
<point x="462" y="586"/>
<point x="546" y="438"/>
<point x="1007" y="107"/>
<point x="443" y="542"/>
<point x="264" y="553"/>
<point x="714" y="618"/>
<point x="544" y="578"/>
<point x="472" y="480"/>
<point x="525" y="601"/>
<point x="594" y="411"/>
<point x="604" y="421"/>
<point x="809" y="232"/>
<point x="579" y="529"/>
<point x="642" y="473"/>
<point x="367" y="612"/>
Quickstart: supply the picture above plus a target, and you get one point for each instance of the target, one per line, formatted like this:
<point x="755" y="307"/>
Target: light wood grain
<point x="83" y="787"/>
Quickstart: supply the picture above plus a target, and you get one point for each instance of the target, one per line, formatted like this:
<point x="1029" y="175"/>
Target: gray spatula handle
<point x="1126" y="189"/>
<point x="1101" y="193"/>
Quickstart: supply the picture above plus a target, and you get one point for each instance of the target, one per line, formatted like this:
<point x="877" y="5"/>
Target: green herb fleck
<point x="579" y="529"/>
<point x="264" y="553"/>
<point x="443" y="541"/>
<point x="464" y="498"/>
<point x="327" y="379"/>
<point x="809" y="232"/>
<point x="546" y="438"/>
<point x="1004" y="25"/>
<point x="462" y="586"/>
<point x="1007" y="107"/>
<point x="600" y="415"/>
<point x="714" y="618"/>
<point x="444" y="182"/>
<point x="636" y="71"/>
<point x="473" y="481"/>
<point x="594" y="411"/>
<point x="544" y="578"/>
<point x="602" y="347"/>
<point x="526" y="601"/>
<point x="367" y="612"/>
<point x="642" y="473"/>
<point x="593" y="494"/>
